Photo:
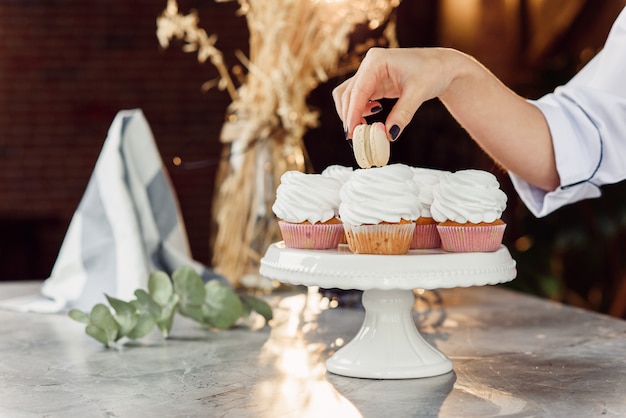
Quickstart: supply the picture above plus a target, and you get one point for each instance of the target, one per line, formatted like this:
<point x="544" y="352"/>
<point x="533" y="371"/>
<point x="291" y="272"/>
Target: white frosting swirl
<point x="468" y="196"/>
<point x="339" y="172"/>
<point x="380" y="194"/>
<point x="427" y="179"/>
<point x="306" y="197"/>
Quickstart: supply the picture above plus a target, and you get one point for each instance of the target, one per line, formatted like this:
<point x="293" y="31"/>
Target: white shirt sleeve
<point x="587" y="121"/>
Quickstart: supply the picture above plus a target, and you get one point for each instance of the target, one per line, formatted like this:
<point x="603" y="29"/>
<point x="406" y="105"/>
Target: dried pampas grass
<point x="294" y="46"/>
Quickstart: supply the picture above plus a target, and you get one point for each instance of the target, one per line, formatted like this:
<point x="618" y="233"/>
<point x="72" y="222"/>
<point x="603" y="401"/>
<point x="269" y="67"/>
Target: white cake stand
<point x="388" y="345"/>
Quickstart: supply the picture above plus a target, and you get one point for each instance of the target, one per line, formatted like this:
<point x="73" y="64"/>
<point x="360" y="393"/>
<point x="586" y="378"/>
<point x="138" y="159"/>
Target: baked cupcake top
<point x="339" y="172"/>
<point x="472" y="196"/>
<point x="380" y="194"/>
<point x="304" y="197"/>
<point x="427" y="179"/>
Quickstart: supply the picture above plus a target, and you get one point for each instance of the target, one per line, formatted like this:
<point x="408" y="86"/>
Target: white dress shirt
<point x="587" y="120"/>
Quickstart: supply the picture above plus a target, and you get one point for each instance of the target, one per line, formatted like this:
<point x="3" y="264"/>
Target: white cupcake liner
<point x="379" y="239"/>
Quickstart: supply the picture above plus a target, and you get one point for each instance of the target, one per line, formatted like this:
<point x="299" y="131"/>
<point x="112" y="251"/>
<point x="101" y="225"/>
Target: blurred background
<point x="68" y="66"/>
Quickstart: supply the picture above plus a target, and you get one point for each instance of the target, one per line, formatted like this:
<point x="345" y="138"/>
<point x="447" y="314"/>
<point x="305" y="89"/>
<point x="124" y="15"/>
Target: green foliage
<point x="212" y="304"/>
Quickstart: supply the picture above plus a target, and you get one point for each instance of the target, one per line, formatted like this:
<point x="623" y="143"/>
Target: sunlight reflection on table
<point x="302" y="383"/>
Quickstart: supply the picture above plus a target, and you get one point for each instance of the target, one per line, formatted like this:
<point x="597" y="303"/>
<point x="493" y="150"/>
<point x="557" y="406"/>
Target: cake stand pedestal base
<point x="388" y="345"/>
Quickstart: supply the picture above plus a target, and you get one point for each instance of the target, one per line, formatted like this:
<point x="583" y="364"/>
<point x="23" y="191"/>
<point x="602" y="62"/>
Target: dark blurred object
<point x="23" y="243"/>
<point x="339" y="298"/>
<point x="577" y="254"/>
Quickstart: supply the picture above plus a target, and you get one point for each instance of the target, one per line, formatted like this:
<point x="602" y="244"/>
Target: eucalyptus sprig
<point x="212" y="304"/>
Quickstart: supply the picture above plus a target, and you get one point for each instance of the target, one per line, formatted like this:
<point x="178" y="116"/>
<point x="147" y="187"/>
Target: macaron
<point x="371" y="145"/>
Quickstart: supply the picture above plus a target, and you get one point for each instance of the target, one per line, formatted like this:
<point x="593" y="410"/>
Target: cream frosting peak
<point x="380" y="194"/>
<point x="339" y="172"/>
<point x="427" y="179"/>
<point x="306" y="197"/>
<point x="468" y="196"/>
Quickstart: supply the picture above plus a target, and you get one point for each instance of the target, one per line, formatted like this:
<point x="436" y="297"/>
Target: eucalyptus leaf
<point x="188" y="286"/>
<point x="192" y="311"/>
<point x="259" y="306"/>
<point x="121" y="307"/>
<point x="160" y="287"/>
<point x="246" y="309"/>
<point x="79" y="316"/>
<point x="98" y="333"/>
<point x="169" y="307"/>
<point x="145" y="323"/>
<point x="145" y="303"/>
<point x="222" y="306"/>
<point x="125" y="315"/>
<point x="165" y="324"/>
<point x="127" y="323"/>
<point x="165" y="321"/>
<point x="102" y="318"/>
<point x="190" y="289"/>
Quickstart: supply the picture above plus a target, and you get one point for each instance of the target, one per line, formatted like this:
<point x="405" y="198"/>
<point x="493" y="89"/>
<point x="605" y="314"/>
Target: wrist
<point x="460" y="70"/>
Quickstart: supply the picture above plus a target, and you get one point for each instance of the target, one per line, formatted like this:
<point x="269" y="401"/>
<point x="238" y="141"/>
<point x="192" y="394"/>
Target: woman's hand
<point x="411" y="75"/>
<point x="504" y="124"/>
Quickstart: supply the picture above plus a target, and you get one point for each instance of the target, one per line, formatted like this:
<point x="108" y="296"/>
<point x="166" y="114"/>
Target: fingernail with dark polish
<point x="394" y="132"/>
<point x="376" y="109"/>
<point x="350" y="143"/>
<point x="345" y="132"/>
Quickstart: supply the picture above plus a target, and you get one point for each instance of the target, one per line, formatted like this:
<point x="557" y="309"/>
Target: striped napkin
<point x="127" y="225"/>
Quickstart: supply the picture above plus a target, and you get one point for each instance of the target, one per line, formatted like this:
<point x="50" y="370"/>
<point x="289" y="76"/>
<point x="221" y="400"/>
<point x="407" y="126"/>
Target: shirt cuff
<point x="541" y="203"/>
<point x="577" y="160"/>
<point x="576" y="141"/>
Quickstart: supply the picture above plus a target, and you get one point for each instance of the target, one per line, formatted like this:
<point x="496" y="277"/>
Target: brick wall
<point x="66" y="68"/>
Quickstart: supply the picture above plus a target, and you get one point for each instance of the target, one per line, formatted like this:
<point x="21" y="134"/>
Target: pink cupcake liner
<point x="379" y="239"/>
<point x="425" y="236"/>
<point x="311" y="237"/>
<point x="467" y="239"/>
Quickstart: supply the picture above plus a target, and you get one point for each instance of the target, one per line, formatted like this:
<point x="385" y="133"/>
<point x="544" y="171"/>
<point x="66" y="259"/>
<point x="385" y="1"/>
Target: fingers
<point x="410" y="75"/>
<point x="337" y="98"/>
<point x="357" y="97"/>
<point x="361" y="91"/>
<point x="371" y="108"/>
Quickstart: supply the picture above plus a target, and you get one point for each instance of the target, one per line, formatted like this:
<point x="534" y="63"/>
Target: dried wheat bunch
<point x="294" y="45"/>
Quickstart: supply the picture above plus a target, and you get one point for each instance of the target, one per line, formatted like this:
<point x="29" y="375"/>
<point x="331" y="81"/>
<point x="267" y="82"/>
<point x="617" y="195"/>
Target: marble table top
<point x="513" y="355"/>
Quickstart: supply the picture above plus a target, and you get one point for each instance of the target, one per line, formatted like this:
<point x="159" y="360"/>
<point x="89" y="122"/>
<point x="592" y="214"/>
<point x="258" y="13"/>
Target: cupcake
<point x="426" y="235"/>
<point x="468" y="205"/>
<point x="306" y="207"/>
<point x="378" y="208"/>
<point x="343" y="174"/>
